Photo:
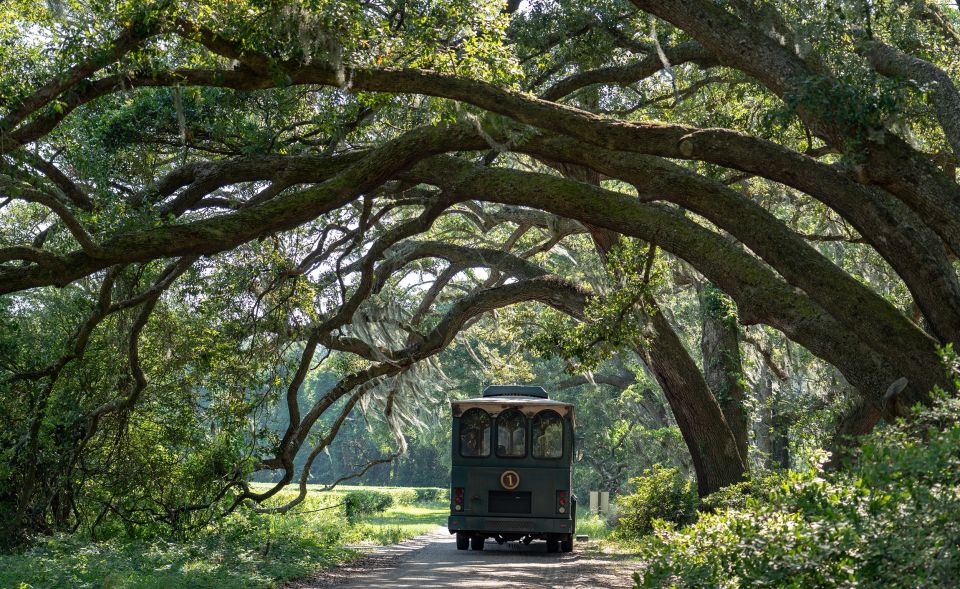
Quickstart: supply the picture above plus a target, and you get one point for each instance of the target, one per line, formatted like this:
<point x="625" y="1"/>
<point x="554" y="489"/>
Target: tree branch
<point x="29" y="194"/>
<point x="890" y="61"/>
<point x="624" y="75"/>
<point x="761" y="296"/>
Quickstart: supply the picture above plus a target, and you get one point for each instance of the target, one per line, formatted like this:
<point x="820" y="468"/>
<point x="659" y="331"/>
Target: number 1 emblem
<point x="510" y="480"/>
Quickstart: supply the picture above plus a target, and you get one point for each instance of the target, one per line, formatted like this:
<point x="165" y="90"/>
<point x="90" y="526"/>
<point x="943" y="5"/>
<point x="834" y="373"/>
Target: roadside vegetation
<point x="244" y="550"/>
<point x="597" y="527"/>
<point x="890" y="520"/>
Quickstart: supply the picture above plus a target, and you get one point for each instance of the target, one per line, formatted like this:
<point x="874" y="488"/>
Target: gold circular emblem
<point x="510" y="480"/>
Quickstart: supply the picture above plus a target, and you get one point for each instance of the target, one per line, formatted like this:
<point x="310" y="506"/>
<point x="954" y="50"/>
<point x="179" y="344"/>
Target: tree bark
<point x="722" y="368"/>
<point x="713" y="447"/>
<point x="890" y="61"/>
<point x="709" y="438"/>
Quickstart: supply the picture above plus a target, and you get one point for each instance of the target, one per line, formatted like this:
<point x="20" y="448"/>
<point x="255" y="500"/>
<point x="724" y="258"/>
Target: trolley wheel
<point x="477" y="542"/>
<point x="566" y="545"/>
<point x="463" y="541"/>
<point x="553" y="545"/>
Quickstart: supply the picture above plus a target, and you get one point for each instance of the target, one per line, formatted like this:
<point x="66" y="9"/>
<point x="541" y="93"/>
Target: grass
<point x="404" y="521"/>
<point x="594" y="526"/>
<point x="603" y="538"/>
<point x="247" y="550"/>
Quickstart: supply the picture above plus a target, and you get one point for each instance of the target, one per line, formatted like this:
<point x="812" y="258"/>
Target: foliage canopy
<point x="231" y="231"/>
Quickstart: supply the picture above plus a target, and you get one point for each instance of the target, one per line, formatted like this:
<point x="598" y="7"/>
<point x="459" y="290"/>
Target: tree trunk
<point x="779" y="440"/>
<point x="763" y="427"/>
<point x="771" y="429"/>
<point x="713" y="448"/>
<point x="720" y="346"/>
<point x="712" y="445"/>
<point x="852" y="424"/>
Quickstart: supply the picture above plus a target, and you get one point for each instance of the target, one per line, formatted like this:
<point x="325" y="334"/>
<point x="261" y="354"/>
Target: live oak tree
<point x="203" y="200"/>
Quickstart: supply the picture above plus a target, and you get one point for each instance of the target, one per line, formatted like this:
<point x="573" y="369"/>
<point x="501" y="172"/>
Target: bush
<point x="891" y="521"/>
<point x="245" y="549"/>
<point x="402" y="495"/>
<point x="357" y="504"/>
<point x="661" y="493"/>
<point x="730" y="497"/>
<point x="430" y="494"/>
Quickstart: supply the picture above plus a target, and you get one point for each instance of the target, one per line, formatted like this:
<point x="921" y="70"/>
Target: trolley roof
<point x="514" y="390"/>
<point x="527" y="405"/>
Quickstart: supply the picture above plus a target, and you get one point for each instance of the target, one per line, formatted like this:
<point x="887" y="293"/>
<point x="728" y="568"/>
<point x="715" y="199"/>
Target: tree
<point x="291" y="154"/>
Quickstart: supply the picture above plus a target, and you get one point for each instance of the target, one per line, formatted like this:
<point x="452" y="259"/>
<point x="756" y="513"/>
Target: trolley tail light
<point x="562" y="505"/>
<point x="458" y="499"/>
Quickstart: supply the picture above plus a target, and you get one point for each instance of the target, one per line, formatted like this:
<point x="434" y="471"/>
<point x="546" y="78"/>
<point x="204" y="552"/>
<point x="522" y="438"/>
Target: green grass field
<point x="246" y="550"/>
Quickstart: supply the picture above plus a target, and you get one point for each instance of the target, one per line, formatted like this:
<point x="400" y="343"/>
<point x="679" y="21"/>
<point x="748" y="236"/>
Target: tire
<point x="463" y="541"/>
<point x="567" y="544"/>
<point x="476" y="542"/>
<point x="553" y="545"/>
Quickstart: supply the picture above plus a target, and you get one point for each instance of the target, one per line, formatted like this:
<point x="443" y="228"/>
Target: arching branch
<point x="222" y="232"/>
<point x="143" y="27"/>
<point x="934" y="285"/>
<point x="624" y="75"/>
<point x="888" y="159"/>
<point x="761" y="296"/>
<point x="548" y="290"/>
<point x="71" y="190"/>
<point x="890" y="61"/>
<point x="29" y="194"/>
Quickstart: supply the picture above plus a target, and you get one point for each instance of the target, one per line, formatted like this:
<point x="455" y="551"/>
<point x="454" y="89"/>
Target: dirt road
<point x="434" y="561"/>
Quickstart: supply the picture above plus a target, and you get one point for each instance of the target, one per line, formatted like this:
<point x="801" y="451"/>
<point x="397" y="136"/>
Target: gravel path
<point x="434" y="561"/>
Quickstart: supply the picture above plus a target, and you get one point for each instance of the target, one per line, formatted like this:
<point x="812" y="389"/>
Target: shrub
<point x="730" y="497"/>
<point x="402" y="495"/>
<point x="891" y="521"/>
<point x="357" y="504"/>
<point x="430" y="494"/>
<point x="661" y="493"/>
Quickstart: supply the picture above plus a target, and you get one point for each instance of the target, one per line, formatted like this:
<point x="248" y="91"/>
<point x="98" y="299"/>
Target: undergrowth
<point x="891" y="519"/>
<point x="246" y="550"/>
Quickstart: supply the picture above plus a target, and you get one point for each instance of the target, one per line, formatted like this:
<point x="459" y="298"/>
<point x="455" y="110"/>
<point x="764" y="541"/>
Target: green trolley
<point x="512" y="451"/>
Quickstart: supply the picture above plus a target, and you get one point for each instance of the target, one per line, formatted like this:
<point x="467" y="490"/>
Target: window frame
<point x="563" y="435"/>
<point x="526" y="435"/>
<point x="490" y="428"/>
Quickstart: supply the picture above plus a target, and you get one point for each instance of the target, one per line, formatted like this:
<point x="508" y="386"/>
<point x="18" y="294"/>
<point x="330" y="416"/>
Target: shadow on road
<point x="534" y="549"/>
<point x="434" y="562"/>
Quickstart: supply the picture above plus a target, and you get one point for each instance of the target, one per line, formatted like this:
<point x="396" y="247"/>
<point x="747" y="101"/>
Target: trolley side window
<point x="511" y="434"/>
<point x="475" y="429"/>
<point x="547" y="435"/>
